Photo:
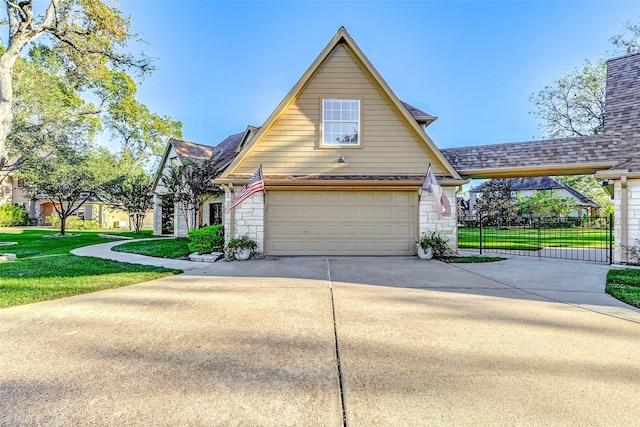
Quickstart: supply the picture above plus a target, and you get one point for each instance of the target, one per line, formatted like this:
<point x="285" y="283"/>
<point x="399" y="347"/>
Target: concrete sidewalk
<point x="103" y="250"/>
<point x="253" y="343"/>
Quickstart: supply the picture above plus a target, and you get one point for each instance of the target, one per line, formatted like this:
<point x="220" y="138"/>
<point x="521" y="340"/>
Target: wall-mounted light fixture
<point x="341" y="159"/>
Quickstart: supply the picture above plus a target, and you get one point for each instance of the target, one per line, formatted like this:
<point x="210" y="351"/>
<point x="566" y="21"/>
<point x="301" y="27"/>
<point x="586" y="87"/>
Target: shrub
<point x="438" y="244"/>
<point x="13" y="215"/>
<point x="73" y="223"/>
<point x="206" y="239"/>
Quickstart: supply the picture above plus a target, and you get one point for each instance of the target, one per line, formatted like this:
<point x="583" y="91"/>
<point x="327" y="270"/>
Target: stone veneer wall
<point x="633" y="216"/>
<point x="430" y="218"/>
<point x="157" y="215"/>
<point x="248" y="220"/>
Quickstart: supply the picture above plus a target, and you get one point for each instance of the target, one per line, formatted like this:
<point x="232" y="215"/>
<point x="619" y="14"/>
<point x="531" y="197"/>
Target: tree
<point x="189" y="185"/>
<point x="68" y="178"/>
<point x="89" y="35"/>
<point x="573" y="105"/>
<point x="590" y="187"/>
<point x="142" y="134"/>
<point x="628" y="41"/>
<point x="132" y="195"/>
<point x="48" y="112"/>
<point x="496" y="202"/>
<point x="546" y="203"/>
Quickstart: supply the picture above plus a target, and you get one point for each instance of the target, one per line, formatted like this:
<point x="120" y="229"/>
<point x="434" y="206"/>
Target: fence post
<point x="480" y="216"/>
<point x="539" y="238"/>
<point x="610" y="239"/>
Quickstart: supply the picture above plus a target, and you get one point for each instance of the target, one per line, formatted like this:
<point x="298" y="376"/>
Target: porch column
<point x="627" y="216"/>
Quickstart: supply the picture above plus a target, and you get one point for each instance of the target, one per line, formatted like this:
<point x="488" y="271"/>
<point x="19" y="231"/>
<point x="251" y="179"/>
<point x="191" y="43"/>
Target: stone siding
<point x="430" y="218"/>
<point x="633" y="217"/>
<point x="248" y="219"/>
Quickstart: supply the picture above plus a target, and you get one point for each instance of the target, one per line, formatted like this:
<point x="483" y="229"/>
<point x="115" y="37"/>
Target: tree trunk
<point x="6" y="104"/>
<point x="63" y="224"/>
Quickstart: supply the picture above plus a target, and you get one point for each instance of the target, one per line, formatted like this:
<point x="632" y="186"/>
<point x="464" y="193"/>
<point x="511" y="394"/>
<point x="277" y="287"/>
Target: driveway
<point x="254" y="343"/>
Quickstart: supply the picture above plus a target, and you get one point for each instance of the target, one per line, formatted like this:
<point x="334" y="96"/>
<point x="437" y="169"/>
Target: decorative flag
<point x="431" y="185"/>
<point x="252" y="186"/>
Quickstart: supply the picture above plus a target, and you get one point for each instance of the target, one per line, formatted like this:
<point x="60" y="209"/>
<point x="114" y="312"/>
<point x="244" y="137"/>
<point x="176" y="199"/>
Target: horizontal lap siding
<point x="291" y="146"/>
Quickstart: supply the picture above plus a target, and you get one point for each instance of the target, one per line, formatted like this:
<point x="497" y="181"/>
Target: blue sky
<point x="223" y="65"/>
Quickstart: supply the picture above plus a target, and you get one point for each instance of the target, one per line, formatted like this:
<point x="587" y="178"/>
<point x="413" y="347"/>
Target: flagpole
<point x="425" y="178"/>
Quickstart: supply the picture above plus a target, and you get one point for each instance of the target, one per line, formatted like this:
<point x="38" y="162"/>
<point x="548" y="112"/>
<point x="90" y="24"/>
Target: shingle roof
<point x="419" y="115"/>
<point x="544" y="183"/>
<point x="565" y="151"/>
<point x="619" y="145"/>
<point x="225" y="151"/>
<point x="190" y="151"/>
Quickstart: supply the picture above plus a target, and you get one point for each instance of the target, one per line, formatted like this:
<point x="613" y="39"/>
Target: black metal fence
<point x="579" y="238"/>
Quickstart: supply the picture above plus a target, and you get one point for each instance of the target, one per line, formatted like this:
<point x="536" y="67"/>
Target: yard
<point x="46" y="270"/>
<point x="528" y="238"/>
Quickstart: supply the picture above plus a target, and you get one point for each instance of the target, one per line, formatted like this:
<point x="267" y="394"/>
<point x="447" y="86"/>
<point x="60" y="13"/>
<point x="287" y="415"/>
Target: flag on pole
<point x="252" y="186"/>
<point x="431" y="185"/>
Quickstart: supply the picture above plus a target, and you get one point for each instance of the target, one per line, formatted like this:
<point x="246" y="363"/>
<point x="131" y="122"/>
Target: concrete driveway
<point x="254" y="343"/>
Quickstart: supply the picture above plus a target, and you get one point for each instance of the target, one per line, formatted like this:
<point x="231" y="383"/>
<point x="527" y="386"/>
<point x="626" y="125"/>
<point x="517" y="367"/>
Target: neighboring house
<point x="527" y="187"/>
<point x="94" y="209"/>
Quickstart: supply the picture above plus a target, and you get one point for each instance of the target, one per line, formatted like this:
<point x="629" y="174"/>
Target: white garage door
<point x="340" y="222"/>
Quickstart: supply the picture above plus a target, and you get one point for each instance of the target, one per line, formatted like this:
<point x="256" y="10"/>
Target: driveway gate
<point x="579" y="238"/>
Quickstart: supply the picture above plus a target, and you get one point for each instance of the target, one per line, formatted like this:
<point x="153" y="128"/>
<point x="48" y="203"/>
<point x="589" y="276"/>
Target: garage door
<point x="340" y="222"/>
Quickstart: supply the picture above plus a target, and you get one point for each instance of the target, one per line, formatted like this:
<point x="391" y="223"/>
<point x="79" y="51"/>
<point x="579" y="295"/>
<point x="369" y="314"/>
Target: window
<point x="341" y="122"/>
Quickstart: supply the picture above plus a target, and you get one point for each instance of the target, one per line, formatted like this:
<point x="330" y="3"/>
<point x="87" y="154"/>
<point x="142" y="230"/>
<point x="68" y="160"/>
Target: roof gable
<point x="411" y="117"/>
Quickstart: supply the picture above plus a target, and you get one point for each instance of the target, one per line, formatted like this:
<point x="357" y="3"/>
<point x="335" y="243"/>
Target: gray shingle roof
<point x="544" y="183"/>
<point x="619" y="145"/>
<point x="419" y="115"/>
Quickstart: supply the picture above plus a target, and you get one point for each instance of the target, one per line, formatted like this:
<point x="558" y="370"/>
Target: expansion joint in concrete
<point x="337" y="347"/>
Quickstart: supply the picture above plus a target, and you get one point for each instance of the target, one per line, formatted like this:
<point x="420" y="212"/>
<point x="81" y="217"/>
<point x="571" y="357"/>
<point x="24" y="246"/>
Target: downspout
<point x="623" y="219"/>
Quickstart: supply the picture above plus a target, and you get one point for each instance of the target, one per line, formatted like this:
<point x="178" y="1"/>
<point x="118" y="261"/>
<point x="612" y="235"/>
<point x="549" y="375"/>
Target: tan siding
<point x="389" y="145"/>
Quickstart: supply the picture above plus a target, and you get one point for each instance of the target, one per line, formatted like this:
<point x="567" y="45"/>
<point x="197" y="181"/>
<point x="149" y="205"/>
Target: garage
<point x="340" y="222"/>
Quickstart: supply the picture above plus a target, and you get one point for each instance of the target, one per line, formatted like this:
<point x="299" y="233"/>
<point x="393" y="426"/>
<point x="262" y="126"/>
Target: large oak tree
<point x="90" y="36"/>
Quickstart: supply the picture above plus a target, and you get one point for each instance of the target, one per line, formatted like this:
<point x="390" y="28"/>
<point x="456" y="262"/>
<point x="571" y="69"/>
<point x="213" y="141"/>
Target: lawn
<point x="624" y="285"/>
<point x="46" y="270"/>
<point x="161" y="248"/>
<point x="518" y="238"/>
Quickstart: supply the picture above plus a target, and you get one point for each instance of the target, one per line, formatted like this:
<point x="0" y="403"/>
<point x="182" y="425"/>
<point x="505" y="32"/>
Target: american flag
<point x="252" y="186"/>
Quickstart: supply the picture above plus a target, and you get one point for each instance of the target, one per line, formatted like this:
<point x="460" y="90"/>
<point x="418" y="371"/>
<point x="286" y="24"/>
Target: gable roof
<point x="412" y="118"/>
<point x="187" y="151"/>
<point x="190" y="151"/>
<point x="544" y="183"/>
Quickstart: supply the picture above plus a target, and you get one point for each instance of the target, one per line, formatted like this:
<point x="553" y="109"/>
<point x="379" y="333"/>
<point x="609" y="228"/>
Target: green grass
<point x="518" y="238"/>
<point x="163" y="248"/>
<point x="46" y="270"/>
<point x="474" y="259"/>
<point x="624" y="285"/>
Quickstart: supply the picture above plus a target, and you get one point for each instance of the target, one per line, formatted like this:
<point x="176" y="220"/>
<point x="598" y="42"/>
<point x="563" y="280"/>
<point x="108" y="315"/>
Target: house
<point x="527" y="187"/>
<point x="343" y="161"/>
<point x="168" y="218"/>
<point x="94" y="209"/>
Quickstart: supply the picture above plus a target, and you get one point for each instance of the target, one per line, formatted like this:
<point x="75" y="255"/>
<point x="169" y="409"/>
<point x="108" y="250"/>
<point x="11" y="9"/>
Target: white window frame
<point x="330" y="123"/>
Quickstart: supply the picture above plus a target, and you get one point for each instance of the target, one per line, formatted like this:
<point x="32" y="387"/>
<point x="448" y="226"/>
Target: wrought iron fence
<point x="579" y="238"/>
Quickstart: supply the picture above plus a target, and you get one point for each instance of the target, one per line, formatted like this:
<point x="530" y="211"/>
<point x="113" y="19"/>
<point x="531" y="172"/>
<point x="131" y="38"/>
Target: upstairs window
<point x="341" y="122"/>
